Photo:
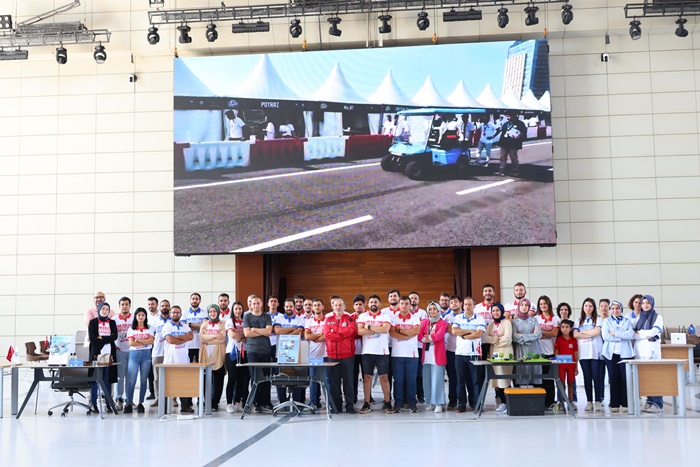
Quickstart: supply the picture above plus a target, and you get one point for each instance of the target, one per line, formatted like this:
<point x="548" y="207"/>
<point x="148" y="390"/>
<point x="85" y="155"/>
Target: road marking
<point x="484" y="187"/>
<point x="271" y="177"/>
<point x="299" y="236"/>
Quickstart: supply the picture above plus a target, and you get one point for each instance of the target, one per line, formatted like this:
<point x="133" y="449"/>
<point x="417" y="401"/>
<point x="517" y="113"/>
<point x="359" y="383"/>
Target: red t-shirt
<point x="563" y="346"/>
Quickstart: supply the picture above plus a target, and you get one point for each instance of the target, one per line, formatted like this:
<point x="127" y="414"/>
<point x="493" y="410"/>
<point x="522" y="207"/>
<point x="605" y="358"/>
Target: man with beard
<point x="152" y="306"/>
<point x="483" y="309"/>
<point x="393" y="308"/>
<point x="289" y="323"/>
<point x="340" y="329"/>
<point x="421" y="315"/>
<point x="374" y="327"/>
<point x="299" y="304"/>
<point x="512" y="307"/>
<point x="455" y="309"/>
<point x="159" y="343"/>
<point x="194" y="317"/>
<point x="176" y="335"/>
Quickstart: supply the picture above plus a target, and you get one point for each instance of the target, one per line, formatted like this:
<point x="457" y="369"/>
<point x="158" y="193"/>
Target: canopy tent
<point x="531" y="102"/>
<point x="489" y="100"/>
<point x="428" y="96"/>
<point x="389" y="93"/>
<point x="337" y="89"/>
<point x="460" y="97"/>
<point x="513" y="102"/>
<point x="264" y="82"/>
<point x="546" y="101"/>
<point x="187" y="84"/>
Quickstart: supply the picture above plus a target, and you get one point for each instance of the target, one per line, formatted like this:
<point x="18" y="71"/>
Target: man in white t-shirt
<point x="421" y="314"/>
<point x="152" y="307"/>
<point x="235" y="125"/>
<point x="176" y="335"/>
<point x="374" y="327"/>
<point x="284" y="324"/>
<point x="194" y="317"/>
<point x="467" y="328"/>
<point x="454" y="310"/>
<point x="123" y="321"/>
<point x="483" y="309"/>
<point x="520" y="292"/>
<point x="358" y="306"/>
<point x="313" y="332"/>
<point x="158" y="352"/>
<point x="404" y="355"/>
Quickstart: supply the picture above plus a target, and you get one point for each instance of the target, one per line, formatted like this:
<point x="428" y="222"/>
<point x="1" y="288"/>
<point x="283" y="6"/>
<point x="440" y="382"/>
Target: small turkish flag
<point x="10" y="354"/>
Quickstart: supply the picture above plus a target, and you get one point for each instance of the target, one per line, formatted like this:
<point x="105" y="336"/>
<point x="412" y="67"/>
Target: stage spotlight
<point x="531" y="19"/>
<point x="61" y="55"/>
<point x="423" y="22"/>
<point x="502" y="17"/>
<point x="153" y="36"/>
<point x="184" y="34"/>
<point x="295" y="28"/>
<point x="635" y="29"/>
<point x="212" y="34"/>
<point x="681" y="31"/>
<point x="333" y="30"/>
<point x="100" y="54"/>
<point x="385" y="28"/>
<point x="567" y="14"/>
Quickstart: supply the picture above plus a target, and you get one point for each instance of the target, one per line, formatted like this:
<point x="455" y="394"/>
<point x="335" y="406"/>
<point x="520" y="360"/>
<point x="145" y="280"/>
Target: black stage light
<point x="681" y="31"/>
<point x="5" y="21"/>
<point x="100" y="54"/>
<point x="211" y="34"/>
<point x="153" y="36"/>
<point x="295" y="28"/>
<point x="184" y="34"/>
<point x="635" y="29"/>
<point x="531" y="19"/>
<point x="385" y="28"/>
<point x="567" y="14"/>
<point x="333" y="30"/>
<point x="423" y="22"/>
<point x="61" y="55"/>
<point x="502" y="17"/>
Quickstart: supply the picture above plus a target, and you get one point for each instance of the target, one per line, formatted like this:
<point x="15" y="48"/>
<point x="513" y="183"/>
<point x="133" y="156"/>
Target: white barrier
<point x="217" y="155"/>
<point x="324" y="147"/>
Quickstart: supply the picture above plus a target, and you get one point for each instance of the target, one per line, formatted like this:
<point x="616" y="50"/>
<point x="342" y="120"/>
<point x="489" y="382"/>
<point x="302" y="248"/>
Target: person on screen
<point x="488" y="134"/>
<point x="103" y="334"/>
<point x="235" y="125"/>
<point x="287" y="130"/>
<point x="269" y="129"/>
<point x="513" y="133"/>
<point x="402" y="131"/>
<point x="388" y="126"/>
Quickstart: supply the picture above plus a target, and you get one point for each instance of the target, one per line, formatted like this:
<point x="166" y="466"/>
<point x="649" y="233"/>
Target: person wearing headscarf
<point x="102" y="332"/>
<point x="647" y="344"/>
<point x="499" y="334"/>
<point x="617" y="336"/>
<point x="434" y="357"/>
<point x="526" y="336"/>
<point x="213" y="350"/>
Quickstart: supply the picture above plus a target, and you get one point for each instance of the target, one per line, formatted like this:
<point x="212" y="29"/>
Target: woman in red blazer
<point x="432" y="335"/>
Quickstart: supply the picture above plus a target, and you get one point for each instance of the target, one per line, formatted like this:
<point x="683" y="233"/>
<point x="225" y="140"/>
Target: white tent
<point x="489" y="100"/>
<point x="187" y="84"/>
<point x="194" y="125"/>
<point x="460" y="97"/>
<point x="546" y="102"/>
<point x="531" y="102"/>
<point x="389" y="93"/>
<point x="428" y="96"/>
<point x="337" y="89"/>
<point x="263" y="83"/>
<point x="512" y="102"/>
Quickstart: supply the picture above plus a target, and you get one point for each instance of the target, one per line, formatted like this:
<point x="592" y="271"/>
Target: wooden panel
<point x="249" y="277"/>
<point x="485" y="269"/>
<point x="320" y="275"/>
<point x="681" y="353"/>
<point x="182" y="382"/>
<point x="658" y="380"/>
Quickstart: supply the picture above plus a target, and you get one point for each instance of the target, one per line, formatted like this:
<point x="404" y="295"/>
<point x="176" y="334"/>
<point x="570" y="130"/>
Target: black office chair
<point x="292" y="378"/>
<point x="72" y="388"/>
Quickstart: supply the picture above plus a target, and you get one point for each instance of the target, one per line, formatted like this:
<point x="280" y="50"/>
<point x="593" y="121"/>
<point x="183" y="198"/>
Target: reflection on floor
<point x="425" y="438"/>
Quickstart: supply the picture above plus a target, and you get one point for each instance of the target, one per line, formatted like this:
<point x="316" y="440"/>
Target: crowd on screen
<point x="412" y="350"/>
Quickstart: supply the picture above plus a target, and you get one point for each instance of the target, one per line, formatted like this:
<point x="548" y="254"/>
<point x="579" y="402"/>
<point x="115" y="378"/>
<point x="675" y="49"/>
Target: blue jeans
<point x="314" y="388"/>
<point x="591" y="379"/>
<point x="434" y="384"/>
<point x="139" y="360"/>
<point x="656" y="400"/>
<point x="467" y="380"/>
<point x="405" y="372"/>
<point x="451" y="378"/>
<point x="123" y="373"/>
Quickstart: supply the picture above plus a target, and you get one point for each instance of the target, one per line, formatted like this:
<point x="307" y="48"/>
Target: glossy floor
<point x="425" y="438"/>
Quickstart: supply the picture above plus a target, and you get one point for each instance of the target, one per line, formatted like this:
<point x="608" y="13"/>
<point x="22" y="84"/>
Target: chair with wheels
<point x="72" y="388"/>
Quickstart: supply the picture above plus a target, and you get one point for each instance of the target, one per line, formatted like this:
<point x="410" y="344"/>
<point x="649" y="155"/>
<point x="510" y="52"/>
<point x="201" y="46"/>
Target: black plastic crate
<point x="525" y="404"/>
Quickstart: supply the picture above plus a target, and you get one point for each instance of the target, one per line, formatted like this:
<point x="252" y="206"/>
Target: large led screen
<point x="409" y="147"/>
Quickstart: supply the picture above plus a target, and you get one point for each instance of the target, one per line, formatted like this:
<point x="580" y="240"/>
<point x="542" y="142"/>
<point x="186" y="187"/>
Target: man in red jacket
<point x="340" y="330"/>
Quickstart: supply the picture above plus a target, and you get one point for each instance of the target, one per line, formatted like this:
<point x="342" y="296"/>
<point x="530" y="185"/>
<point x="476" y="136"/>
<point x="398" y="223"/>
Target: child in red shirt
<point x="567" y="345"/>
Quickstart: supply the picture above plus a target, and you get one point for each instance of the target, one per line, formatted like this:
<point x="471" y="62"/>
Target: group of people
<point x="411" y="349"/>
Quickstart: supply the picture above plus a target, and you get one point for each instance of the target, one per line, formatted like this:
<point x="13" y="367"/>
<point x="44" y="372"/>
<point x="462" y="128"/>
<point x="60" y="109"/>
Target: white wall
<point x="86" y="162"/>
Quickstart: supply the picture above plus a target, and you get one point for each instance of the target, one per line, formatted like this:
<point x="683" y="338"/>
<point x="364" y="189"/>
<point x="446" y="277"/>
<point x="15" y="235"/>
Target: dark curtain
<point x="271" y="275"/>
<point x="463" y="280"/>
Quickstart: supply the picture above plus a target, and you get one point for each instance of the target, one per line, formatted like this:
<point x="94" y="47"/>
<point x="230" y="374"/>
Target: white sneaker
<point x="501" y="408"/>
<point x="238" y="407"/>
<point x="438" y="409"/>
<point x="589" y="407"/>
<point x="230" y="408"/>
<point x="645" y="408"/>
<point x="624" y="410"/>
<point x="614" y="410"/>
<point x="429" y="407"/>
<point x="598" y="407"/>
<point x="653" y="408"/>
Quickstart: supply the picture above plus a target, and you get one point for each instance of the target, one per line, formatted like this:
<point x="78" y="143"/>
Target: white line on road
<point x="270" y="177"/>
<point x="484" y="187"/>
<point x="299" y="236"/>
